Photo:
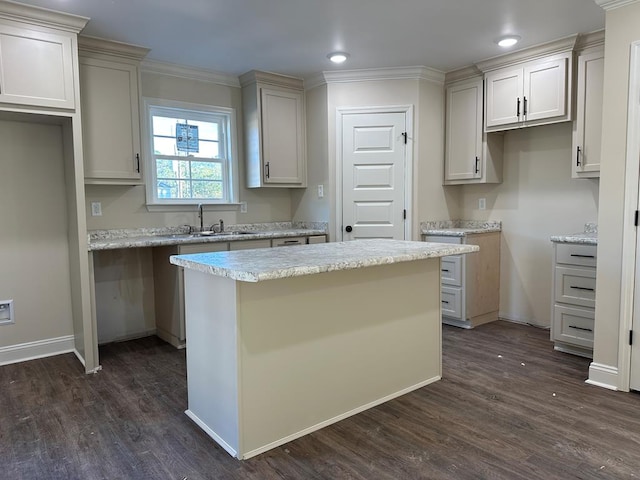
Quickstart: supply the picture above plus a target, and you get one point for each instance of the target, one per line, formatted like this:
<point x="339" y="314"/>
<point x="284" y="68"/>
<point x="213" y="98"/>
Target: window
<point x="191" y="153"/>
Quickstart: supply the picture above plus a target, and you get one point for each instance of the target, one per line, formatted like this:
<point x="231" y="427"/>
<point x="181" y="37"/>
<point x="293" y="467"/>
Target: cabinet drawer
<point x="573" y="325"/>
<point x="452" y="302"/>
<point x="451" y="270"/>
<point x="203" y="247"/>
<point x="576" y="286"/>
<point x="575" y="254"/>
<point x="442" y="239"/>
<point x="287" y="242"/>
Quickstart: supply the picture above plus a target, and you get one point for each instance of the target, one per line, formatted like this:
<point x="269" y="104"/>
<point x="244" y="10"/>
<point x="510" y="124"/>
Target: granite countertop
<point x="588" y="237"/>
<point x="459" y="228"/>
<point x="156" y="237"/>
<point x="275" y="263"/>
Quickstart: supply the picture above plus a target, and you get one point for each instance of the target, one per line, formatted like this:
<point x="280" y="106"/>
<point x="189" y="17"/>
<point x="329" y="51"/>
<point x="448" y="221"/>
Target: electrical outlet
<point x="6" y="312"/>
<point x="96" y="209"/>
<point x="243" y="207"/>
<point x="320" y="191"/>
<point x="482" y="203"/>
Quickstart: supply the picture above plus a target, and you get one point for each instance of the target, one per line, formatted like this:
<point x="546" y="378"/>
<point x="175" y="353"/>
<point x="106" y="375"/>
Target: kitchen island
<point x="283" y="342"/>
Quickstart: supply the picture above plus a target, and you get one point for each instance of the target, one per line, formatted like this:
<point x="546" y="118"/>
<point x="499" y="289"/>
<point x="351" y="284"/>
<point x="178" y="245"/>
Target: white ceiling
<point x="293" y="37"/>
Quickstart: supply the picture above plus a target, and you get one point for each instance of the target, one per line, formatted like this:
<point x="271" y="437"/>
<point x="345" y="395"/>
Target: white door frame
<point x="629" y="231"/>
<point x="408" y="167"/>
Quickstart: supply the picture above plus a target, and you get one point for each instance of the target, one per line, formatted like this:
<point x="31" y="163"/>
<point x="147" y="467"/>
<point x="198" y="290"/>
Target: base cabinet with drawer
<point x="470" y="290"/>
<point x="574" y="294"/>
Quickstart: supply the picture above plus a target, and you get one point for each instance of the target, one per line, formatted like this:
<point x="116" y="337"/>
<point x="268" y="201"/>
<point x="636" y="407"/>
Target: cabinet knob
<point x="348" y="228"/>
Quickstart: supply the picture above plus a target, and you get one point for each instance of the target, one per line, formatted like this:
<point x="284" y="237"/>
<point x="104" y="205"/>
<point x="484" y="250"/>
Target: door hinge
<point x="404" y="214"/>
<point x="635" y="221"/>
<point x="404" y="134"/>
<point x="630" y="337"/>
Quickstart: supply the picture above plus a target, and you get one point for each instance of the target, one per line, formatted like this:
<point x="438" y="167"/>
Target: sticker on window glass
<point x="187" y="137"/>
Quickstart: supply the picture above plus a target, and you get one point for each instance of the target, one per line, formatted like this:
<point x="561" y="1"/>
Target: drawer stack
<point x="574" y="293"/>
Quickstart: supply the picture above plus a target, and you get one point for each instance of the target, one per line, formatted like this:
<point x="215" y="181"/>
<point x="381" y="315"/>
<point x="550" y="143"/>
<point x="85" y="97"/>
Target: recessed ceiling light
<point x="508" y="41"/>
<point x="338" y="57"/>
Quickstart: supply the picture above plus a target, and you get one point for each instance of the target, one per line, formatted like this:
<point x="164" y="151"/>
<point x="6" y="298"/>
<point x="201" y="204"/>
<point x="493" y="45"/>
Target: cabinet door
<point x="587" y="129"/>
<point x="545" y="90"/>
<point x="283" y="142"/>
<point x="36" y="68"/>
<point x="464" y="132"/>
<point x="110" y="121"/>
<point x="249" y="244"/>
<point x="504" y="100"/>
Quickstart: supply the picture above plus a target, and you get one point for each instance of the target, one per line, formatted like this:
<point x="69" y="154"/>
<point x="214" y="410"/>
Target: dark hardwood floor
<point x="508" y="407"/>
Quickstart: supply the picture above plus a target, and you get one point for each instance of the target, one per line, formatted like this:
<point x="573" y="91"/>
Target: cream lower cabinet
<point x="471" y="155"/>
<point x="470" y="283"/>
<point x="574" y="294"/>
<point x="168" y="287"/>
<point x="36" y="67"/>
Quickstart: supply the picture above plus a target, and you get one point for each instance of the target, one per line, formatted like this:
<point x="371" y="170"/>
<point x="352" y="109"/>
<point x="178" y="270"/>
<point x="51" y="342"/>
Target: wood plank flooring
<point x="508" y="407"/>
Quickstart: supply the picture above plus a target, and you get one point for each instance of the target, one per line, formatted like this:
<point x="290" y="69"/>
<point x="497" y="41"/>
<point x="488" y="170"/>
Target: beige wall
<point x="125" y="206"/>
<point x="306" y="205"/>
<point x="622" y="28"/>
<point x="426" y="97"/>
<point x="35" y="247"/>
<point x="537" y="199"/>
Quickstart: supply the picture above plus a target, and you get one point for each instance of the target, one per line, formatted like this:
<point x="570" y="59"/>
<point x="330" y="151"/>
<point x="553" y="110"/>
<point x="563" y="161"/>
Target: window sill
<point x="192" y="207"/>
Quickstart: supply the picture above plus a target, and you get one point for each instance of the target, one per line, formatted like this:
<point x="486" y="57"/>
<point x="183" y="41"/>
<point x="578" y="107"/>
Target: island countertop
<point x="276" y="263"/>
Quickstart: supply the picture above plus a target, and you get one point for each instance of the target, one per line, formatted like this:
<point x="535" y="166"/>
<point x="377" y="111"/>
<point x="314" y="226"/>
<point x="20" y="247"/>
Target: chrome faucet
<point x="201" y="216"/>
<point x="220" y="226"/>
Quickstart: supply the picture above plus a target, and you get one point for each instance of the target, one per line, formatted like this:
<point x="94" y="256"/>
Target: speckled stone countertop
<point x="155" y="237"/>
<point x="459" y="228"/>
<point x="275" y="263"/>
<point x="588" y="237"/>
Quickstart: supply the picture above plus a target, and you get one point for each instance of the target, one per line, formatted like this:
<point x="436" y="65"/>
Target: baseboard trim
<point x="604" y="376"/>
<point x="39" y="349"/>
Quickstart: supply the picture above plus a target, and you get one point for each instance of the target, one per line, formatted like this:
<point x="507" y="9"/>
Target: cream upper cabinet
<point x="36" y="67"/>
<point x="532" y="93"/>
<point x="587" y="128"/>
<point x="274" y="119"/>
<point x="109" y="83"/>
<point x="472" y="156"/>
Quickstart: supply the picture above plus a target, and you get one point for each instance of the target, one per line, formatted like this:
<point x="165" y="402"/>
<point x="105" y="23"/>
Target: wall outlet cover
<point x="96" y="209"/>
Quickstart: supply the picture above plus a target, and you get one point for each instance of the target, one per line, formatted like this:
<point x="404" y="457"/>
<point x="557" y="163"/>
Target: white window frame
<point x="230" y="169"/>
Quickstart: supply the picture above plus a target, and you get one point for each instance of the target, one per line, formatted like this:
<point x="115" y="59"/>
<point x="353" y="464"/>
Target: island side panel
<point x="319" y="348"/>
<point x="212" y="367"/>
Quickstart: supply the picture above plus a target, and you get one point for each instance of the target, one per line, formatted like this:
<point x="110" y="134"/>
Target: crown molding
<point x="465" y="73"/>
<point x="590" y="40"/>
<point x="611" y="4"/>
<point x="314" y="81"/>
<point x="96" y="45"/>
<point x="375" y="74"/>
<point x="43" y="17"/>
<point x="191" y="73"/>
<point x="276" y="79"/>
<point x="563" y="45"/>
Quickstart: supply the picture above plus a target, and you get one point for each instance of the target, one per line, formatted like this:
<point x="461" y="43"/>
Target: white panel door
<point x="545" y="90"/>
<point x="373" y="178"/>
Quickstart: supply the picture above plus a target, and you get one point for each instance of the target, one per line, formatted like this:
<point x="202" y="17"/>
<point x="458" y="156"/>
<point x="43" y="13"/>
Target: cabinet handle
<point x="266" y="167"/>
<point x="518" y="109"/>
<point x="582" y="256"/>
<point x="583" y="288"/>
<point x="138" y="162"/>
<point x="444" y="301"/>
<point x="577" y="156"/>
<point x="581" y="328"/>
<point x="445" y="270"/>
<point x="291" y="242"/>
<point x="477" y="168"/>
<point x="524" y="110"/>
